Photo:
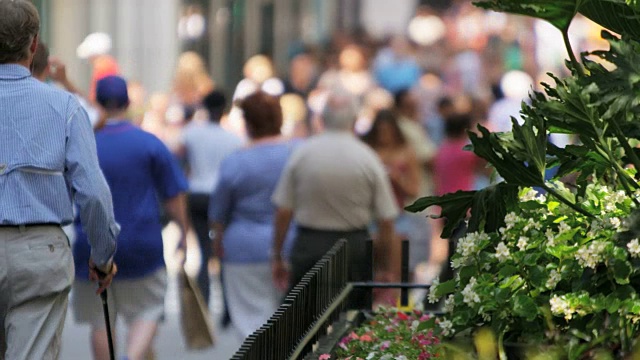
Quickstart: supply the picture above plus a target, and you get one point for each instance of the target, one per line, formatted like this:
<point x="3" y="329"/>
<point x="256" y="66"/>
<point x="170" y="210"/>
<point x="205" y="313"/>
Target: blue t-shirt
<point x="242" y="201"/>
<point x="141" y="173"/>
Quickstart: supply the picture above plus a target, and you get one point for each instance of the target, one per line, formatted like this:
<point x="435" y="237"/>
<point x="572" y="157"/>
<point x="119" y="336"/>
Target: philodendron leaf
<point x="488" y="207"/>
<point x="501" y="152"/>
<point x="454" y="208"/>
<point x="491" y="205"/>
<point x="620" y="16"/>
<point x="557" y="12"/>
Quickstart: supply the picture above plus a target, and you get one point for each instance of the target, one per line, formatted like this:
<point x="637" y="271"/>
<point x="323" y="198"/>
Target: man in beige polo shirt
<point x="334" y="186"/>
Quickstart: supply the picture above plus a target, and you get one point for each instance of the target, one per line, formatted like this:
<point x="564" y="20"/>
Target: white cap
<point x="97" y="43"/>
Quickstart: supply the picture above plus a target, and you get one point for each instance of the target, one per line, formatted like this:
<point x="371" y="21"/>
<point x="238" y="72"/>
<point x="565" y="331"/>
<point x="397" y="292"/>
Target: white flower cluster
<point x="446" y="326"/>
<point x="554" y="279"/>
<point x="470" y="297"/>
<point x="611" y="199"/>
<point x="502" y="252"/>
<point x="532" y="224"/>
<point x="510" y="220"/>
<point x="532" y="195"/>
<point x="551" y="237"/>
<point x="614" y="222"/>
<point x="560" y="306"/>
<point x="563" y="227"/>
<point x="523" y="242"/>
<point x="468" y="246"/>
<point x="634" y="248"/>
<point x="592" y="255"/>
<point x="449" y="304"/>
<point x="432" y="298"/>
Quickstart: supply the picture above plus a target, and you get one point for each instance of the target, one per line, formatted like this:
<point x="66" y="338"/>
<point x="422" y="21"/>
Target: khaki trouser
<point x="36" y="273"/>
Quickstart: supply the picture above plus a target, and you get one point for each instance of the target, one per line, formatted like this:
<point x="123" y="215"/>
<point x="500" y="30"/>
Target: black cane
<point x="105" y="308"/>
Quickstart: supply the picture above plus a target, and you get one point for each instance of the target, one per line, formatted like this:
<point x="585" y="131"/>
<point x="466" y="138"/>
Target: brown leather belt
<point x="27" y="225"/>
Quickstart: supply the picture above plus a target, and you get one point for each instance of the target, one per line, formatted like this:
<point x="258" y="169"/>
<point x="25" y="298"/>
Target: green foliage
<point x="620" y="16"/>
<point x="561" y="268"/>
<point x="550" y="275"/>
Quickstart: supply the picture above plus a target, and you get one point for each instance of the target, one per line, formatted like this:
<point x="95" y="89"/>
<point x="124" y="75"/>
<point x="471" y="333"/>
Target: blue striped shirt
<point x="48" y="159"/>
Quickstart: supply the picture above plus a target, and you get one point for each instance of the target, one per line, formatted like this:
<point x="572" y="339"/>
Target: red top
<point x="455" y="168"/>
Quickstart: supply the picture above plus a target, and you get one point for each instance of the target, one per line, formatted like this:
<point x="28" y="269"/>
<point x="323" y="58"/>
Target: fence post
<point x="404" y="273"/>
<point x="369" y="259"/>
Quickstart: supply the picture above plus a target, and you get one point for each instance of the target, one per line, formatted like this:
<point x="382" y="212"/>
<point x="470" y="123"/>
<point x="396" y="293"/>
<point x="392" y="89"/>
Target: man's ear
<point x="34" y="44"/>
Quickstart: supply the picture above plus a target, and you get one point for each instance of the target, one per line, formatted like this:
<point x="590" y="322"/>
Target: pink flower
<point x="385" y="345"/>
<point x="366" y="338"/>
<point x="389" y="328"/>
<point x="353" y="336"/>
<point x="425" y="317"/>
<point x="324" y="357"/>
<point x="402" y="316"/>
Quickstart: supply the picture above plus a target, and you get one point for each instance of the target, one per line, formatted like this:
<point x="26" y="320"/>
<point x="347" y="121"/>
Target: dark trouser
<point x="199" y="207"/>
<point x="311" y="245"/>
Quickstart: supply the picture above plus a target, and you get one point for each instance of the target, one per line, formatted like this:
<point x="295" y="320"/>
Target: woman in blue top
<point x="241" y="214"/>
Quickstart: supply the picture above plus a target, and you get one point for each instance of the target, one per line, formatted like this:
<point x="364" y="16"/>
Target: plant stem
<point x="625" y="184"/>
<point x="572" y="56"/>
<point x="567" y="202"/>
<point x="626" y="180"/>
<point x="625" y="144"/>
<point x="502" y="355"/>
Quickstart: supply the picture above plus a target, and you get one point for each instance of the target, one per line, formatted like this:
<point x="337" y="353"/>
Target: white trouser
<point x="36" y="273"/>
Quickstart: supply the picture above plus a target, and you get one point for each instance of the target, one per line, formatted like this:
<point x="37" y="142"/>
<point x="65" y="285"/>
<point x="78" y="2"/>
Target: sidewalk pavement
<point x="169" y="343"/>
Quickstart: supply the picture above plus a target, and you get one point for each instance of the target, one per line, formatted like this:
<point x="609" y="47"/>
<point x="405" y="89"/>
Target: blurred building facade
<point x="148" y="35"/>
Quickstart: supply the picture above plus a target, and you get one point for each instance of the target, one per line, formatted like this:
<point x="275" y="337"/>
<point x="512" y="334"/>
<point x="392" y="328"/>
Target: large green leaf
<point x="619" y="84"/>
<point x="454" y="208"/>
<point x="512" y="165"/>
<point x="491" y="205"/>
<point x="620" y="16"/>
<point x="558" y="12"/>
<point x="488" y="207"/>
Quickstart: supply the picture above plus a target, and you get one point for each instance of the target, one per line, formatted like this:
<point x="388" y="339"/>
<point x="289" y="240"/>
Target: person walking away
<point x="242" y="214"/>
<point x="403" y="169"/>
<point x="205" y="145"/>
<point x="332" y="200"/>
<point x="46" y="68"/>
<point x="456" y="169"/>
<point x="406" y="108"/>
<point x="47" y="160"/>
<point x="140" y="170"/>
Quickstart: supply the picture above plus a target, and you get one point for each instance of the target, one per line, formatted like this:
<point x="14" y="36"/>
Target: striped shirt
<point x="48" y="159"/>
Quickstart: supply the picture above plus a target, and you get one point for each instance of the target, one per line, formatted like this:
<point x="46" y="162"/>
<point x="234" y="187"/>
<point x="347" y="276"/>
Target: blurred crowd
<point x="415" y="97"/>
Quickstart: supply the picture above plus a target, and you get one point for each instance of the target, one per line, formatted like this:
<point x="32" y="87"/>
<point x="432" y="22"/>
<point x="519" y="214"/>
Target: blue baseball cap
<point x="111" y="92"/>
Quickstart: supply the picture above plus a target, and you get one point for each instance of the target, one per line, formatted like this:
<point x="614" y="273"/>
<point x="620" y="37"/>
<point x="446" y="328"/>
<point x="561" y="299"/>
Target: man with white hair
<point x="334" y="186"/>
<point x="47" y="161"/>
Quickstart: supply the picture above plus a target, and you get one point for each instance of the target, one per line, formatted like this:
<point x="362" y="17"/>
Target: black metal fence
<point x="306" y="312"/>
<point x="314" y="304"/>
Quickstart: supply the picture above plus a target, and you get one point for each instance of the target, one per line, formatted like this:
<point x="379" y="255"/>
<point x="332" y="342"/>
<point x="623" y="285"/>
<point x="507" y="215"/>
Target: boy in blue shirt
<point x="142" y="174"/>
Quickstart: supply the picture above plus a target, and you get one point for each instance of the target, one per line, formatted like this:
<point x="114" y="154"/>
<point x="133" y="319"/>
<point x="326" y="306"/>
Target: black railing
<point x="312" y="306"/>
<point x="306" y="313"/>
